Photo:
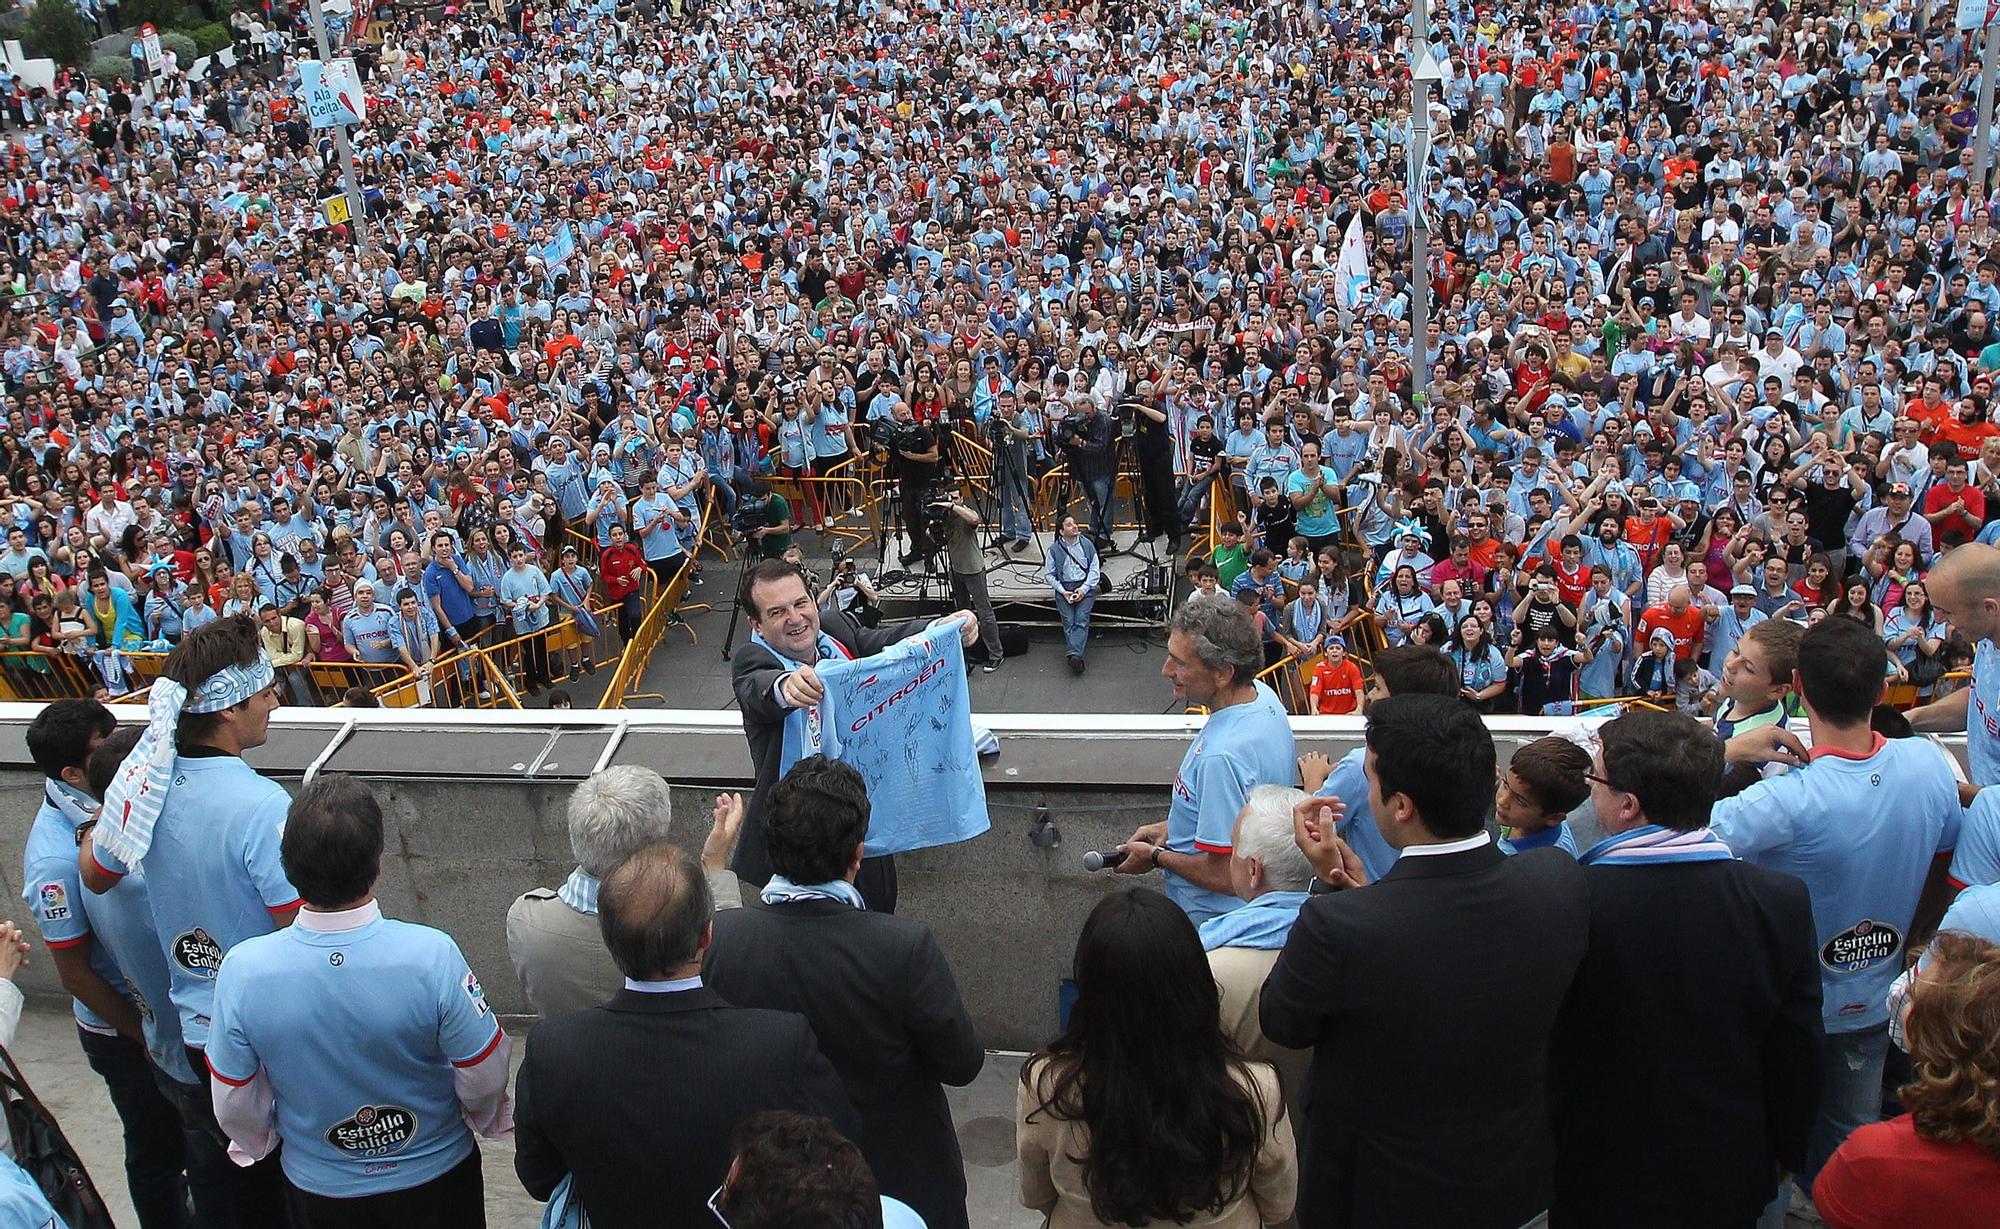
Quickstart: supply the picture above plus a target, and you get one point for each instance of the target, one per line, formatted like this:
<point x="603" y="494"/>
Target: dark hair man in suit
<point x="1436" y="1129"/>
<point x="877" y="991"/>
<point x="1729" y="1073"/>
<point x="638" y="1098"/>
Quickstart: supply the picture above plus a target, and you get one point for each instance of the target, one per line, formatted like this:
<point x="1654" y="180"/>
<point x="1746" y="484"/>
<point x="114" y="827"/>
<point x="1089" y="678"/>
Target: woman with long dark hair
<point x="1142" y="1111"/>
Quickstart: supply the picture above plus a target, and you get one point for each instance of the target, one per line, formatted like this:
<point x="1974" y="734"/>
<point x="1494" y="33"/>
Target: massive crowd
<point x="1709" y="361"/>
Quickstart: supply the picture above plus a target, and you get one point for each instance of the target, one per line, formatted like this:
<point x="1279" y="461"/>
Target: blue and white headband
<point x="133" y="801"/>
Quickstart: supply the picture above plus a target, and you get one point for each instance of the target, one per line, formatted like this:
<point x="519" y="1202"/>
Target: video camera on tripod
<point x="901" y="437"/>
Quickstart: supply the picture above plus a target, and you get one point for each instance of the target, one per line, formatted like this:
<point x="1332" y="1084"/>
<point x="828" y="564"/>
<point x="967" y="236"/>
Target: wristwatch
<point x="1321" y="887"/>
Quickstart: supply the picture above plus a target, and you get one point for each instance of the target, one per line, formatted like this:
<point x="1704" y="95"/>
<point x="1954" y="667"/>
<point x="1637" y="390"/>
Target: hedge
<point x="105" y="69"/>
<point x="209" y="38"/>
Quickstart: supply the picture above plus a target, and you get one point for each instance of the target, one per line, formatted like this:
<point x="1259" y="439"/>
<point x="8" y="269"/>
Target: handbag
<point x="565" y="1208"/>
<point x="45" y="1154"/>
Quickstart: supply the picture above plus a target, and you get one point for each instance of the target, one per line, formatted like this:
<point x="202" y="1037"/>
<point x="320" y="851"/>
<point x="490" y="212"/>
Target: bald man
<point x="1965" y="590"/>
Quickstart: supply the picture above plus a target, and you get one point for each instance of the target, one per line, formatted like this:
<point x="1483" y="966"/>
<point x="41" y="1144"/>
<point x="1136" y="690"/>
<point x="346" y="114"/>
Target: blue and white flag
<point x="903" y="720"/>
<point x="559" y="249"/>
<point x="1350" y="271"/>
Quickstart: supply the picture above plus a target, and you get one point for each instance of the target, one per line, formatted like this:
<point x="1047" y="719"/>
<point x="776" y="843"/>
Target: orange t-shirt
<point x="1687" y="627"/>
<point x="1648" y="539"/>
<point x="1336" y="690"/>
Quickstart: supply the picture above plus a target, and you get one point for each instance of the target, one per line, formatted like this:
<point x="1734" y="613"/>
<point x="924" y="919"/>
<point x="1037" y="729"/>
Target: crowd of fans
<point x="1711" y="290"/>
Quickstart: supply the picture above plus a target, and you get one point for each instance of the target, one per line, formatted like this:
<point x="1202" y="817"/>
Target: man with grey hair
<point x="552" y="935"/>
<point x="1272" y="876"/>
<point x="1213" y="656"/>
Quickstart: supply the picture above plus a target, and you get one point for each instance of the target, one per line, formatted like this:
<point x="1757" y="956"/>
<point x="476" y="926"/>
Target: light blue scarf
<point x="780" y="890"/>
<point x="579" y="892"/>
<point x="802" y="733"/>
<point x="1262" y="923"/>
<point x="1653" y="845"/>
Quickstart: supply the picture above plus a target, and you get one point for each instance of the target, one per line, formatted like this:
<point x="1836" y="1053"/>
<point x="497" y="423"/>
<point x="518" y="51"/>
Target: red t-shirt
<point x="1965" y="523"/>
<point x="1337" y="689"/>
<point x="1888" y="1177"/>
<point x="1570" y="585"/>
<point x="1687" y="627"/>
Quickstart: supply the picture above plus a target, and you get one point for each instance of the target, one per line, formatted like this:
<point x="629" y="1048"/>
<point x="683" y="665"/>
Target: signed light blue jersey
<point x="213" y="873"/>
<point x="1239" y="748"/>
<point x="1861" y="832"/>
<point x="359" y="1032"/>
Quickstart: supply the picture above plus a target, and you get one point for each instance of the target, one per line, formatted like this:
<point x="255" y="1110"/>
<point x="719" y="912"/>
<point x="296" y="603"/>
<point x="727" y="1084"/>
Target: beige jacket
<point x="559" y="955"/>
<point x="1240" y="973"/>
<point x="1052" y="1182"/>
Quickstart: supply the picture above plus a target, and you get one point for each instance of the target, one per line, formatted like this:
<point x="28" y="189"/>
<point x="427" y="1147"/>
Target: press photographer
<point x="1090" y="446"/>
<point x="851" y="592"/>
<point x="959" y="524"/>
<point x="913" y="457"/>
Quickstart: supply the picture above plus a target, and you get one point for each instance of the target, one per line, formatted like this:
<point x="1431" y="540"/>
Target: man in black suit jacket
<point x="1429" y="997"/>
<point x="877" y="991"/>
<point x="1685" y="1066"/>
<point x="638" y="1098"/>
<point x="773" y="675"/>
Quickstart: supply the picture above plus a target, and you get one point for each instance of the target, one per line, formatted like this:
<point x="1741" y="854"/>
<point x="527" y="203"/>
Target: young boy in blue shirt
<point x="1539" y="787"/>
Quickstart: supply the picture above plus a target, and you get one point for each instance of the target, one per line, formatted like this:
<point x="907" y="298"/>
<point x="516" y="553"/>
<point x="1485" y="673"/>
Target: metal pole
<point x="1983" y="156"/>
<point x="1419" y="153"/>
<point x="345" y="147"/>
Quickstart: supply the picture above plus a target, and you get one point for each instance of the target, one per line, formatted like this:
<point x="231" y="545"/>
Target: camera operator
<point x="960" y="524"/>
<point x="1009" y="431"/>
<point x="1153" y="445"/>
<point x="1091" y="448"/>
<point x="851" y="592"/>
<point x="913" y="458"/>
<point x="767" y="519"/>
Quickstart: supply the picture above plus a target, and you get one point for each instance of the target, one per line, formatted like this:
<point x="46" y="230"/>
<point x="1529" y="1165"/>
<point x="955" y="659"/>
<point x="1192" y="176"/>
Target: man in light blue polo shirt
<point x="1868" y="824"/>
<point x="204" y="827"/>
<point x="370" y="630"/>
<point x="107" y="958"/>
<point x="1213" y="656"/>
<point x="364" y="1045"/>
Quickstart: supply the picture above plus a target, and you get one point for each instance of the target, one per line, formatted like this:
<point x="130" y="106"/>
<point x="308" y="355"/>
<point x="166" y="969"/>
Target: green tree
<point x="55" y="30"/>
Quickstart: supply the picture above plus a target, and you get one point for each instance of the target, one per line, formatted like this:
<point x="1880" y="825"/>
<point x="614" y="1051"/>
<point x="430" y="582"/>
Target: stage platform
<point x="1146" y="582"/>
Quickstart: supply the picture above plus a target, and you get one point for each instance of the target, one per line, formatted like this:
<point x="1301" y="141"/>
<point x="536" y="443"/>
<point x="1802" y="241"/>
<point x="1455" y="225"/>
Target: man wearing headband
<point x="205" y="829"/>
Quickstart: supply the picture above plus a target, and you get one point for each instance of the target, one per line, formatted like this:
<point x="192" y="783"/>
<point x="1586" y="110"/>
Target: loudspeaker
<point x="1013" y="641"/>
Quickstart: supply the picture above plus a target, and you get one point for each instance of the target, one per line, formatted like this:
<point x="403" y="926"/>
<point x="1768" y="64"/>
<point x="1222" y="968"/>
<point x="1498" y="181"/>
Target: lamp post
<point x="1424" y="70"/>
<point x="344" y="147"/>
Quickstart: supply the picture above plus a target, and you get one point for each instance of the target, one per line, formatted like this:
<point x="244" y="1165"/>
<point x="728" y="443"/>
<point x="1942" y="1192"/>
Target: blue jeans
<point x="1009" y="487"/>
<point x="1075" y="624"/>
<point x="1099" y="492"/>
<point x="1192" y="493"/>
<point x="154" y="1147"/>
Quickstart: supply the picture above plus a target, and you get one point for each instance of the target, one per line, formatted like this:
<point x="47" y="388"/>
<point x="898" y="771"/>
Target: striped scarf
<point x="1653" y="845"/>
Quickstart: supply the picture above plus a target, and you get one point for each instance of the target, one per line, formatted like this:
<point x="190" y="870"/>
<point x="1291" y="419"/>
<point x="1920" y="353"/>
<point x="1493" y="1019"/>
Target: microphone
<point x="1095" y="861"/>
